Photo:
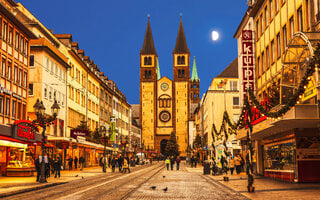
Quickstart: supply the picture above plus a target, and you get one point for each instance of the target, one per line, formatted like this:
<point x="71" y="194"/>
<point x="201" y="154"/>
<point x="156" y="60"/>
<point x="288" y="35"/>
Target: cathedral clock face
<point x="165" y="116"/>
<point x="164" y="86"/>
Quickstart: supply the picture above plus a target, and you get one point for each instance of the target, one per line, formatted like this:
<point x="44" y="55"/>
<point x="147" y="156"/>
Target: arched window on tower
<point x="183" y="60"/>
<point x="145" y="61"/>
<point x="179" y="60"/>
<point x="147" y="74"/>
<point x="149" y="60"/>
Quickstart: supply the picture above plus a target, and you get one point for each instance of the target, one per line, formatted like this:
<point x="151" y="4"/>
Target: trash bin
<point x="206" y="168"/>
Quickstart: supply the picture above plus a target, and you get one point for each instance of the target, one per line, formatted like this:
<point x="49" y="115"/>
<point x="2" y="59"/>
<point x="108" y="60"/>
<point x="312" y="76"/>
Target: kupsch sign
<point x="25" y="130"/>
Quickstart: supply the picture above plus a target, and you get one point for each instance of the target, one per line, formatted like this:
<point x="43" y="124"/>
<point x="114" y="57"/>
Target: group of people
<point x="171" y="161"/>
<point x="76" y="161"/>
<point x="52" y="166"/>
<point x="231" y="163"/>
<point x="122" y="162"/>
<point x="193" y="161"/>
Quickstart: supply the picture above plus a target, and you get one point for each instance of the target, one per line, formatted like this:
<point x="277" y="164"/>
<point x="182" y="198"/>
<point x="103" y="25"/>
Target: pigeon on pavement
<point x="165" y="189"/>
<point x="163" y="176"/>
<point x="153" y="187"/>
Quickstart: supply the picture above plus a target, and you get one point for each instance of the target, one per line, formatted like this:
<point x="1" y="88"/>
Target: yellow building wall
<point x="147" y="108"/>
<point x="181" y="112"/>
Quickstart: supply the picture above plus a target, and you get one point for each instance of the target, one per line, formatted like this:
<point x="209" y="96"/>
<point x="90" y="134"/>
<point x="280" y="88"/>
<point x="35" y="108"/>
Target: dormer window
<point x="147" y="60"/>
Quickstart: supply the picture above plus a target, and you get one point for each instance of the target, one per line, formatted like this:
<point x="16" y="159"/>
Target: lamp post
<point x="43" y="121"/>
<point x="104" y="130"/>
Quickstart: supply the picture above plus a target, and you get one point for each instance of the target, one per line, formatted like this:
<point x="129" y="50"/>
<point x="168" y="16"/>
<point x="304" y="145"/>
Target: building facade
<point x="285" y="147"/>
<point x="164" y="103"/>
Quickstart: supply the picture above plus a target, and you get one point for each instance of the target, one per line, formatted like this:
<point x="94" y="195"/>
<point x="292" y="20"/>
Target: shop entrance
<point x="163" y="145"/>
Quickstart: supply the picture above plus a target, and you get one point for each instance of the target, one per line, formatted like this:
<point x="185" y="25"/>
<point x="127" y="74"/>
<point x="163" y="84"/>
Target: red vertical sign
<point x="247" y="61"/>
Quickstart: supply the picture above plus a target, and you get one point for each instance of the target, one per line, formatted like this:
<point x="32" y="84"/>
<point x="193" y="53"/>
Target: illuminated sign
<point x="25" y="130"/>
<point x="74" y="133"/>
<point x="247" y="61"/>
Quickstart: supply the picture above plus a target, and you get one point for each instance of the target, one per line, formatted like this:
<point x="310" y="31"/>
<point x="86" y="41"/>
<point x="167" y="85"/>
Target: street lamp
<point x="43" y="121"/>
<point x="103" y="130"/>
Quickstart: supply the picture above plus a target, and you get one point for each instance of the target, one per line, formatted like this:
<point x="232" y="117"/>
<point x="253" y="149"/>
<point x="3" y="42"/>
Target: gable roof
<point x="231" y="71"/>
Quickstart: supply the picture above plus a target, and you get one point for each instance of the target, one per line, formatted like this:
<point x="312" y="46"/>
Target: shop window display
<point x="21" y="158"/>
<point x="280" y="156"/>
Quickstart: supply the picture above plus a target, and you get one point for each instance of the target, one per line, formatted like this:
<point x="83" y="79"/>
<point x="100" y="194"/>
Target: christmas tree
<point x="172" y="146"/>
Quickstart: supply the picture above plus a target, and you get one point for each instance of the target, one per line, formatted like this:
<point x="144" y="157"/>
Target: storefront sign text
<point x="74" y="133"/>
<point x="247" y="61"/>
<point x="25" y="130"/>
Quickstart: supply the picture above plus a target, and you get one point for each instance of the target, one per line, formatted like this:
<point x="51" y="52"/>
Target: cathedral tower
<point x="181" y="78"/>
<point x="148" y="90"/>
<point x="194" y="84"/>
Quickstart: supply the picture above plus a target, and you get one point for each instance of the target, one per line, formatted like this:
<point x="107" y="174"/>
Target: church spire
<point x="194" y="76"/>
<point x="181" y="43"/>
<point x="148" y="44"/>
<point x="158" y="70"/>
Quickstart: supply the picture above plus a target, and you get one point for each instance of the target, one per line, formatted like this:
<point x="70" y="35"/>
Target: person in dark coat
<point x="172" y="161"/>
<point x="120" y="163"/>
<point x="81" y="162"/>
<point x="38" y="169"/>
<point x="192" y="161"/>
<point x="57" y="167"/>
<point x="178" y="160"/>
<point x="75" y="162"/>
<point x="113" y="164"/>
<point x="109" y="161"/>
<point x="47" y="167"/>
<point x="70" y="161"/>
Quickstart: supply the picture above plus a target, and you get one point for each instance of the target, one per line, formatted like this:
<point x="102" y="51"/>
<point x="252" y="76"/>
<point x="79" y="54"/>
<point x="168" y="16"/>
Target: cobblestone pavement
<point x="183" y="185"/>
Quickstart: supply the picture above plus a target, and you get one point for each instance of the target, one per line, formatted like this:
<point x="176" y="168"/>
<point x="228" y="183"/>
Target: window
<point x="16" y="41"/>
<point x="45" y="92"/>
<point x="9" y="71"/>
<point x="147" y="60"/>
<point x="50" y="93"/>
<point x="19" y="111"/>
<point x="236" y="101"/>
<point x="47" y="63"/>
<point x="271" y="9"/>
<point x="24" y="111"/>
<point x="30" y="89"/>
<point x="300" y="19"/>
<point x="263" y="63"/>
<point x="266" y="11"/>
<point x="10" y="35"/>
<point x="20" y="77"/>
<point x="278" y="46"/>
<point x="181" y="73"/>
<point x="15" y="74"/>
<point x="55" y="69"/>
<point x="262" y="23"/>
<point x="51" y="66"/>
<point x="272" y="52"/>
<point x="1" y="105"/>
<point x="3" y="65"/>
<point x="7" y="106"/>
<point x="31" y="61"/>
<point x="258" y="67"/>
<point x="5" y="31"/>
<point x="267" y="58"/>
<point x="233" y="85"/>
<point x="284" y="38"/>
<point x="13" y="109"/>
<point x="291" y="22"/>
<point x="26" y="48"/>
<point x="21" y="44"/>
<point x="257" y="29"/>
<point x="276" y="5"/>
<point x="25" y="79"/>
<point x="147" y="74"/>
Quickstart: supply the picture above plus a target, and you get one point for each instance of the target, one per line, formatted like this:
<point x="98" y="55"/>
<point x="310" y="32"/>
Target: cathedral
<point x="166" y="105"/>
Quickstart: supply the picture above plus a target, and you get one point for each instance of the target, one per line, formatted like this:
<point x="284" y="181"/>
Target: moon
<point x="214" y="35"/>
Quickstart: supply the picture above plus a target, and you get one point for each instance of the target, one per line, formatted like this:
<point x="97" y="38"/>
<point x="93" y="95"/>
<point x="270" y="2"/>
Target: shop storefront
<point x="18" y="146"/>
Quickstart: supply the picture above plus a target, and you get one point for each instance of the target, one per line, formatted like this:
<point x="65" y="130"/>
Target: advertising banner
<point x="113" y="128"/>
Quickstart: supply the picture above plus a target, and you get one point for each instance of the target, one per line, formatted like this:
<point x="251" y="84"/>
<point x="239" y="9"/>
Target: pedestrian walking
<point x="109" y="161"/>
<point x="125" y="166"/>
<point x="172" y="161"/>
<point x="57" y="167"/>
<point x="237" y="162"/>
<point x="70" y="161"/>
<point x="113" y="164"/>
<point x="38" y="169"/>
<point x="192" y="161"/>
<point x="51" y="161"/>
<point x="231" y="165"/>
<point x="167" y="161"/>
<point x="178" y="160"/>
<point x="82" y="162"/>
<point x="120" y="163"/>
<point x="75" y="162"/>
<point x="195" y="162"/>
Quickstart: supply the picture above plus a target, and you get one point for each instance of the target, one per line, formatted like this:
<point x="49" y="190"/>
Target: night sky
<point x="111" y="32"/>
